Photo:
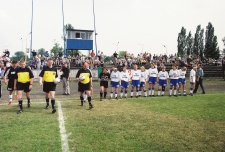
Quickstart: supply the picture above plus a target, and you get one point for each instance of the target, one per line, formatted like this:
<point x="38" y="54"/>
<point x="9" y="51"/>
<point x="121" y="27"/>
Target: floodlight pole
<point x="31" y="31"/>
<point x="95" y="27"/>
<point x="165" y="46"/>
<point x="64" y="32"/>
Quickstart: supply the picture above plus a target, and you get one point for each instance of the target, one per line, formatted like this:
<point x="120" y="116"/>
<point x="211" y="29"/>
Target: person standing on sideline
<point x="48" y="75"/>
<point x="125" y="78"/>
<point x="192" y="79"/>
<point x="104" y="78"/>
<point x="223" y="67"/>
<point x="174" y="75"/>
<point x="23" y="82"/>
<point x="115" y="82"/>
<point x="199" y="79"/>
<point x="135" y="80"/>
<point x="143" y="80"/>
<point x="10" y="73"/>
<point x="65" y="79"/>
<point x="85" y="84"/>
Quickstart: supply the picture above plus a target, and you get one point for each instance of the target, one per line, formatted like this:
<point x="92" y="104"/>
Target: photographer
<point x="65" y="78"/>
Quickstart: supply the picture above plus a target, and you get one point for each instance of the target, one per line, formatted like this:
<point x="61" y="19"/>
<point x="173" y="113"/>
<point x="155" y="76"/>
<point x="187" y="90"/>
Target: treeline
<point x="201" y="44"/>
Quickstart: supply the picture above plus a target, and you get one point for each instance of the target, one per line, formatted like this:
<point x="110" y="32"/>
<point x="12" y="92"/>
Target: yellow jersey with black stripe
<point x="23" y="75"/>
<point x="86" y="73"/>
<point x="49" y="74"/>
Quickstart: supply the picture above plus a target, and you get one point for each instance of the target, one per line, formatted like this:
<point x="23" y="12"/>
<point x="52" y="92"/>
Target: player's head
<point x="105" y="70"/>
<point x="14" y="63"/>
<point x="114" y="69"/>
<point x="22" y="63"/>
<point x="85" y="65"/>
<point x="50" y="62"/>
<point x="184" y="69"/>
<point x="142" y="68"/>
<point x="124" y="68"/>
<point x="65" y="65"/>
<point x="135" y="66"/>
<point x="152" y="65"/>
<point x="164" y="68"/>
<point x="195" y="67"/>
<point x="174" y="66"/>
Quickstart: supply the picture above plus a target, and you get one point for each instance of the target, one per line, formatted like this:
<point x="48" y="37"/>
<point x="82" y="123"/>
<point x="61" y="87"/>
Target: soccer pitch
<point x="192" y="123"/>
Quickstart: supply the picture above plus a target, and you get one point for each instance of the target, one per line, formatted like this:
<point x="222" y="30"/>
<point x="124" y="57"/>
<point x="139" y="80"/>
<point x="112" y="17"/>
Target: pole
<point x="95" y="27"/>
<point x="26" y="48"/>
<point x="64" y="32"/>
<point x="31" y="31"/>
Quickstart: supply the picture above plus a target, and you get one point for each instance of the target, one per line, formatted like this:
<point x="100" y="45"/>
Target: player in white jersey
<point x="174" y="76"/>
<point x="192" y="79"/>
<point x="135" y="80"/>
<point x="153" y="79"/>
<point x="182" y="81"/>
<point x="163" y="80"/>
<point x="125" y="78"/>
<point x="115" y="82"/>
<point x="143" y="80"/>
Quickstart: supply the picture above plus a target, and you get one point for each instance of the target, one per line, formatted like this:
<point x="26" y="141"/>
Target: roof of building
<point x="80" y="30"/>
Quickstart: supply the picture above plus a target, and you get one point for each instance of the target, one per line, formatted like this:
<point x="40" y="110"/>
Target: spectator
<point x="99" y="55"/>
<point x="60" y="54"/>
<point x="46" y="55"/>
<point x="102" y="56"/>
<point x="38" y="62"/>
<point x="65" y="77"/>
<point x="6" y="53"/>
<point x="199" y="79"/>
<point x="42" y="58"/>
<point x="34" y="53"/>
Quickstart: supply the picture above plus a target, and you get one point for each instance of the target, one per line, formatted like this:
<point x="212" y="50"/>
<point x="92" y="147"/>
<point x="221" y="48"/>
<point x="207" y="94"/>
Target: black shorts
<point x="82" y="87"/>
<point x="49" y="86"/>
<point x="10" y="86"/>
<point x="104" y="84"/>
<point x="23" y="86"/>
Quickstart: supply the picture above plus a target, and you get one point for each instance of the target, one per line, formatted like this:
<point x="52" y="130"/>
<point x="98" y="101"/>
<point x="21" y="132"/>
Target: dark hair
<point x="14" y="61"/>
<point x="50" y="59"/>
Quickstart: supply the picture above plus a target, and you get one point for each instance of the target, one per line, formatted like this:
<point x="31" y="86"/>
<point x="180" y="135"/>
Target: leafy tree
<point x="189" y="43"/>
<point x="18" y="56"/>
<point x="73" y="52"/>
<point x="211" y="44"/>
<point x="196" y="49"/>
<point x="56" y="48"/>
<point x="41" y="51"/>
<point x="108" y="58"/>
<point x="181" y="40"/>
<point x="122" y="53"/>
<point x="69" y="27"/>
<point x="201" y="44"/>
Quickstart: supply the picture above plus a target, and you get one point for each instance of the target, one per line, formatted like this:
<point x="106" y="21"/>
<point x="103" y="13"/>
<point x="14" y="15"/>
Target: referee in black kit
<point x="85" y="84"/>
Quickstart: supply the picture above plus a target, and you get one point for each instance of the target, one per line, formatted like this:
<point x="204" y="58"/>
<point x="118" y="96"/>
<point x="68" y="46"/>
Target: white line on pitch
<point x="64" y="141"/>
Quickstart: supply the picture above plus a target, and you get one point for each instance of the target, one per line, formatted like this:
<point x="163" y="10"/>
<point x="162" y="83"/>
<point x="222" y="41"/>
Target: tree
<point x="196" y="48"/>
<point x="224" y="45"/>
<point x="122" y="53"/>
<point x="201" y="44"/>
<point x="18" y="56"/>
<point x="211" y="44"/>
<point x="73" y="52"/>
<point x="181" y="40"/>
<point x="108" y="58"/>
<point x="69" y="27"/>
<point x="189" y="43"/>
<point x="41" y="51"/>
<point x="56" y="48"/>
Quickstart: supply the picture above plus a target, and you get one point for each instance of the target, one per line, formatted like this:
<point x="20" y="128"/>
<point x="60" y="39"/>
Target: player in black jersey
<point x="10" y="74"/>
<point x="49" y="73"/>
<point x="104" y="78"/>
<point x="23" y="82"/>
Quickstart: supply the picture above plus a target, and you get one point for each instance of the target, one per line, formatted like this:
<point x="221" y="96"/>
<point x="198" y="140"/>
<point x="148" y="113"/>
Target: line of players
<point x="139" y="79"/>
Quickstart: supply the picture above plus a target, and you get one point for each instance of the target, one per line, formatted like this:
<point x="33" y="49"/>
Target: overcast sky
<point x="150" y="23"/>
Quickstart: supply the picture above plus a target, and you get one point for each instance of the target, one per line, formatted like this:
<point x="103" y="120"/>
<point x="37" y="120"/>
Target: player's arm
<point x="77" y="76"/>
<point x="40" y="81"/>
<point x="15" y="81"/>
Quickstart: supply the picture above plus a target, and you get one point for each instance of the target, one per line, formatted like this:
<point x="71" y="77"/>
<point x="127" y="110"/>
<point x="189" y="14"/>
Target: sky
<point x="136" y="24"/>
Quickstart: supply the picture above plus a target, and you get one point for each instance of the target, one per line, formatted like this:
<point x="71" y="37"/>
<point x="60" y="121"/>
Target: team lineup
<point x="140" y="78"/>
<point x="21" y="78"/>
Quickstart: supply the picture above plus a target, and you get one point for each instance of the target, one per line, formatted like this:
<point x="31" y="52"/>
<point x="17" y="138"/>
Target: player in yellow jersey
<point x="23" y="82"/>
<point x="85" y="84"/>
<point x="48" y="75"/>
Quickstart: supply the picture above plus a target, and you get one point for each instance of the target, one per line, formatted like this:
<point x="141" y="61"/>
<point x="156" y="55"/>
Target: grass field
<point x="144" y="124"/>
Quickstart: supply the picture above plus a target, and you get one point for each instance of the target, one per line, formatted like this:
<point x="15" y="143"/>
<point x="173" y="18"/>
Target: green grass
<point x="130" y="125"/>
